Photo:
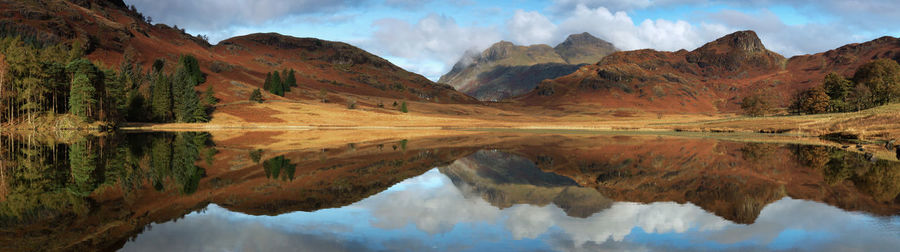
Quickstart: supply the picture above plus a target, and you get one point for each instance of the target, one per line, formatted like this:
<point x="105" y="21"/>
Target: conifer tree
<point x="277" y="87"/>
<point x="289" y="79"/>
<point x="839" y="90"/>
<point x="81" y="97"/>
<point x="161" y="98"/>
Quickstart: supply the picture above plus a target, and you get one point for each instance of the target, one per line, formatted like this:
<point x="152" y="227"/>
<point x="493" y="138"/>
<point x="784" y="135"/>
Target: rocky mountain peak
<point x="745" y="41"/>
<point x="584" y="48"/>
<point x="583" y="38"/>
<point x="740" y="50"/>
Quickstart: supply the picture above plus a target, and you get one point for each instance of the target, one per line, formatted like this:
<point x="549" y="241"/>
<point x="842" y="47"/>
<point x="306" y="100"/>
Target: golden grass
<point x="880" y="123"/>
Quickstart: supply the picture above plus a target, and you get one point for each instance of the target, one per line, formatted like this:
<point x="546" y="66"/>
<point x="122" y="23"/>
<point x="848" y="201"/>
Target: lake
<point x="447" y="191"/>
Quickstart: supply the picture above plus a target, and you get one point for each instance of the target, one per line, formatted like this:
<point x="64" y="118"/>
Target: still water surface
<point x="497" y="192"/>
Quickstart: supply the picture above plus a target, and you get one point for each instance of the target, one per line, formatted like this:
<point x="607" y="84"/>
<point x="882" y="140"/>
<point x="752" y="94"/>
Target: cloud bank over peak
<point x="429" y="46"/>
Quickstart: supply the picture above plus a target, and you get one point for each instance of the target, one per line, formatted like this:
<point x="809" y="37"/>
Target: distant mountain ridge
<point x="505" y="69"/>
<point x="712" y="78"/>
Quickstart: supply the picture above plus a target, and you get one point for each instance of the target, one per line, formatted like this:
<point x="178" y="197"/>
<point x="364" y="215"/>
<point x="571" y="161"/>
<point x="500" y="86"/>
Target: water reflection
<point x="430" y="212"/>
<point x="474" y="192"/>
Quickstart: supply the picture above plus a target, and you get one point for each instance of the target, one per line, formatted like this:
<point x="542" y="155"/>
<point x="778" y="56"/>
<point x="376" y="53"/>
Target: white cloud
<point x="526" y="28"/>
<point x="433" y="44"/>
<point x="432" y="209"/>
<point x="566" y="5"/>
<point x="788" y="40"/>
<point x="619" y="29"/>
<point x="434" y="39"/>
<point x="212" y="15"/>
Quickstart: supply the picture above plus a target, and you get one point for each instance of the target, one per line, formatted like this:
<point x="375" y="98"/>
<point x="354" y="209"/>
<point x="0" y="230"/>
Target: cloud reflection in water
<point x="429" y="212"/>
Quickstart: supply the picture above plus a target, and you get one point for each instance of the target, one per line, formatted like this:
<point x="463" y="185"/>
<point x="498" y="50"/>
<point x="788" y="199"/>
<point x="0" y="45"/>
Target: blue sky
<point x="429" y="36"/>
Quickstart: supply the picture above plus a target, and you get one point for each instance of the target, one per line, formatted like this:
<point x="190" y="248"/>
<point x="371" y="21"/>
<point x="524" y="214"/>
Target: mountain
<point x="505" y="70"/>
<point x="712" y="78"/>
<point x="108" y="30"/>
<point x="584" y="48"/>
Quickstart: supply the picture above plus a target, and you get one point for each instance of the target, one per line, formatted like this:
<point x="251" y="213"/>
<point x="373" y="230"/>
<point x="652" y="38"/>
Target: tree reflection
<point x="279" y="167"/>
<point x="878" y="178"/>
<point x="44" y="179"/>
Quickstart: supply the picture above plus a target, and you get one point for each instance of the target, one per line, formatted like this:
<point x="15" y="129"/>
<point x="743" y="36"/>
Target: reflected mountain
<point x="99" y="192"/>
<point x="505" y="180"/>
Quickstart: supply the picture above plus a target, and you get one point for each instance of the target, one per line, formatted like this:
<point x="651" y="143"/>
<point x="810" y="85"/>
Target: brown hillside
<point x="712" y="78"/>
<point x="235" y="67"/>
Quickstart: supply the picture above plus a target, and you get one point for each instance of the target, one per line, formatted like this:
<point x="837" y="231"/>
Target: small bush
<point x="323" y="95"/>
<point x="219" y="66"/>
<point x="403" y="107"/>
<point x="256" y="96"/>
<point x="755" y="105"/>
<point x="351" y="103"/>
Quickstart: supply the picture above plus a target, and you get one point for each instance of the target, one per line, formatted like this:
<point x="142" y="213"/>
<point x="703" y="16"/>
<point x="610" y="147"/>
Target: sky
<point x="428" y="36"/>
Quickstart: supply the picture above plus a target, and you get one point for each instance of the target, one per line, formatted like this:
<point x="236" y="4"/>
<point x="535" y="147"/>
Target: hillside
<point x="709" y="79"/>
<point x="108" y="31"/>
<point x="505" y="70"/>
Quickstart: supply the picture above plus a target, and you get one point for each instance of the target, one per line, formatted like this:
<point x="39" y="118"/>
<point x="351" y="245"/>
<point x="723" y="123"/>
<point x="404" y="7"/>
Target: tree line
<point x="39" y="80"/>
<point x="874" y="84"/>
<point x="280" y="83"/>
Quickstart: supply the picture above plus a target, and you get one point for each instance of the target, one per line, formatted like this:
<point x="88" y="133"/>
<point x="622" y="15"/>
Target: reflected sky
<point x="429" y="212"/>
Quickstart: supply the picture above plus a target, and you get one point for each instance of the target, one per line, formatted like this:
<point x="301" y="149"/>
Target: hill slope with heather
<point x="505" y="70"/>
<point x="109" y="32"/>
<point x="712" y="78"/>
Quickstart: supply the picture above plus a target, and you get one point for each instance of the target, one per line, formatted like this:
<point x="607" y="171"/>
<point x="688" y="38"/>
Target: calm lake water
<point x="473" y="192"/>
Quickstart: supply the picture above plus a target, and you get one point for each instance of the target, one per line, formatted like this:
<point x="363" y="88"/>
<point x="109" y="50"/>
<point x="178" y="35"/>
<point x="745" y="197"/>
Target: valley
<point x="338" y="85"/>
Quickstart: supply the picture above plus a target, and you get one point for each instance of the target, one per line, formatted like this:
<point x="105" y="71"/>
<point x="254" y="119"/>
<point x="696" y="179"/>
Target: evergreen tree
<point x="161" y="98"/>
<point x="182" y="87"/>
<point x="209" y="99"/>
<point x="403" y="107"/>
<point x="192" y="68"/>
<point x="838" y="89"/>
<point x="81" y="97"/>
<point x="289" y="79"/>
<point x="267" y="85"/>
<point x="187" y="104"/>
<point x="158" y="65"/>
<point x="277" y="87"/>
<point x="137" y="108"/>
